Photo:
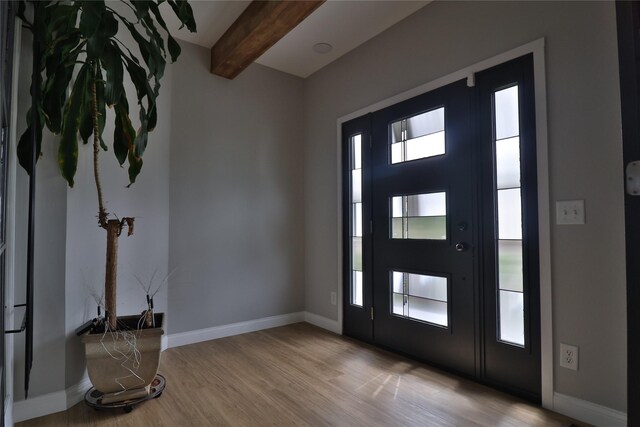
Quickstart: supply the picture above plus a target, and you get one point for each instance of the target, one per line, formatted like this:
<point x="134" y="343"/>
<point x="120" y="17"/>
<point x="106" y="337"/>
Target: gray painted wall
<point x="237" y="202"/>
<point x="49" y="281"/>
<point x="584" y="154"/>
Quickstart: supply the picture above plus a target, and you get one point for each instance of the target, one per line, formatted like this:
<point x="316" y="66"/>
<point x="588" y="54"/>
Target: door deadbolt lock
<point x="461" y="246"/>
<point x="462" y="226"/>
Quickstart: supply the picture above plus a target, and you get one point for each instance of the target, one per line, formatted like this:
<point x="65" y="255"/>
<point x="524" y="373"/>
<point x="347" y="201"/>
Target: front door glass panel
<point x="420" y="297"/>
<point x="418" y="137"/>
<point x="419" y="216"/>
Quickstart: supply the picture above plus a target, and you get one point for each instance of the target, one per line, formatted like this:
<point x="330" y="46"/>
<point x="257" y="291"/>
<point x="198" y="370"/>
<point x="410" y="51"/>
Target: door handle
<point x="461" y="246"/>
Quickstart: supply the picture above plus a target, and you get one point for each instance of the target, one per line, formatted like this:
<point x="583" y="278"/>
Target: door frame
<point x="628" y="25"/>
<point x="537" y="48"/>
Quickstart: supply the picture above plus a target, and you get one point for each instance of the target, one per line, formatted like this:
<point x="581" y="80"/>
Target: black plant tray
<point x="93" y="397"/>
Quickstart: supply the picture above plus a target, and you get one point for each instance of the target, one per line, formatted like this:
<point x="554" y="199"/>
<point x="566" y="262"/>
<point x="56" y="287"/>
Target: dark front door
<point x="440" y="243"/>
<point x="422" y="228"/>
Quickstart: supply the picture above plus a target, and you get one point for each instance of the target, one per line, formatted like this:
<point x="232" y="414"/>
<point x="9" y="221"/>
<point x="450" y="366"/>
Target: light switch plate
<point x="570" y="212"/>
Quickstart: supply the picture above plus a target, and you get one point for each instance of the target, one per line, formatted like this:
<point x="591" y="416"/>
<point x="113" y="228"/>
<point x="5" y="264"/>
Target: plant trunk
<point x="113" y="232"/>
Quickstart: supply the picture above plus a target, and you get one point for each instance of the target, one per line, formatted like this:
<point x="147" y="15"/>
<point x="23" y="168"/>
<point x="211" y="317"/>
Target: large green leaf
<point x="172" y="45"/>
<point x="135" y="166"/>
<point x="102" y="111"/>
<point x="25" y="144"/>
<point x="151" y="54"/>
<point x="60" y="18"/>
<point x="68" y="149"/>
<point x="91" y="16"/>
<point x="142" y="8"/>
<point x="184" y="13"/>
<point x="97" y="42"/>
<point x="124" y="134"/>
<point x="142" y="136"/>
<point x="87" y="109"/>
<point x="54" y="97"/>
<point x="86" y="112"/>
<point x="112" y="64"/>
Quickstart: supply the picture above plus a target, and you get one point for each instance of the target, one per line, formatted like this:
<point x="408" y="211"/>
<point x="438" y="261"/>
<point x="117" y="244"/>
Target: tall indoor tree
<point x="82" y="65"/>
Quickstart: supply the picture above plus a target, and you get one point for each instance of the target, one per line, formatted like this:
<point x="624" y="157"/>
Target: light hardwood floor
<point x="302" y="375"/>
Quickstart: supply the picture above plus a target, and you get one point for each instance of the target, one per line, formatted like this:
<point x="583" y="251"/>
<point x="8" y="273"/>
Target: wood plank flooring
<point x="300" y="375"/>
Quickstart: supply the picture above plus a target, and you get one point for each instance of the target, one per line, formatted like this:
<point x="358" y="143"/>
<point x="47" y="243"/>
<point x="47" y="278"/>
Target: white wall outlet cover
<point x="569" y="356"/>
<point x="570" y="212"/>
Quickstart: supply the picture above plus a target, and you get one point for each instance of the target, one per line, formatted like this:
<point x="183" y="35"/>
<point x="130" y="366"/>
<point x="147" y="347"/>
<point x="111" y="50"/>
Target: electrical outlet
<point x="569" y="356"/>
<point x="334" y="298"/>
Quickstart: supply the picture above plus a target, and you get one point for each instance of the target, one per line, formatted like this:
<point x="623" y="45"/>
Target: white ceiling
<point x="343" y="24"/>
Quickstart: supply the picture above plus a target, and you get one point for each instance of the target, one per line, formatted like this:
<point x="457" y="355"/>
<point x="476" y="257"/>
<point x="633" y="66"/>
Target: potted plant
<point x="82" y="65"/>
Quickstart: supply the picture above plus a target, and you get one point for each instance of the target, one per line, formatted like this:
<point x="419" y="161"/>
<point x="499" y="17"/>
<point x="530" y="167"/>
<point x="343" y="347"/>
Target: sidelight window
<point x="509" y="219"/>
<point x="356" y="220"/>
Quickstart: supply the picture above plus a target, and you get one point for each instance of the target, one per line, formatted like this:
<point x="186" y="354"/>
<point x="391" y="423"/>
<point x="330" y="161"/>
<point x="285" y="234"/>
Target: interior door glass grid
<point x="420" y="297"/>
<point x="419" y="216"/>
<point x="509" y="222"/>
<point x="418" y="137"/>
<point x="356" y="220"/>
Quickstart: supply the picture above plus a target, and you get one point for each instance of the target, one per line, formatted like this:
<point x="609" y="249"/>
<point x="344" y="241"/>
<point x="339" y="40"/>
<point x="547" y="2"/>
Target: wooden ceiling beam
<point x="258" y="28"/>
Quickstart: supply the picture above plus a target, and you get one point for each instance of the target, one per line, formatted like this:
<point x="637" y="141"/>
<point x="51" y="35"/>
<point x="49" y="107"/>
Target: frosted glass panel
<point x="509" y="214"/>
<point x="396" y="206"/>
<point x="356" y="288"/>
<point x="425" y="297"/>
<point x="431" y="204"/>
<point x="512" y="317"/>
<point x="397" y="228"/>
<point x="356" y="186"/>
<point x="428" y="311"/>
<point x="357" y="253"/>
<point x="418" y="137"/>
<point x="429" y="227"/>
<point x="425" y="146"/>
<point x="419" y="216"/>
<point x="510" y="265"/>
<point x="356" y="216"/>
<point x="398" y="304"/>
<point x="508" y="163"/>
<point x="398" y="282"/>
<point x="417" y="126"/>
<point x="432" y="287"/>
<point x="356" y="150"/>
<point x="506" y="111"/>
<point x="396" y="152"/>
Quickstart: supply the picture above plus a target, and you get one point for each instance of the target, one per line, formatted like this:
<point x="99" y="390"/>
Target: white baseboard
<point x="322" y="322"/>
<point x="50" y="403"/>
<point x="8" y="410"/>
<point x="76" y="392"/>
<point x="39" y="406"/>
<point x="200" y="335"/>
<point x="592" y="413"/>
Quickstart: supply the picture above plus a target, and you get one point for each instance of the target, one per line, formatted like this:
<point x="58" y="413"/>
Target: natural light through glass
<point x="418" y="137"/>
<point x="356" y="221"/>
<point x="419" y="297"/>
<point x="509" y="233"/>
<point x="419" y="216"/>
